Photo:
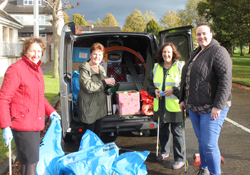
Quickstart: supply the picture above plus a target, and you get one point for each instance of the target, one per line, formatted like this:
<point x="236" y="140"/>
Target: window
<point x="31" y="2"/>
<point x="19" y="18"/>
<point x="5" y="34"/>
<point x="43" y="20"/>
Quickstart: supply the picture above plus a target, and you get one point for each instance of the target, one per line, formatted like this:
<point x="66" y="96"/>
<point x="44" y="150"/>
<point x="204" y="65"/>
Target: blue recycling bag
<point x="131" y="163"/>
<point x="75" y="88"/>
<point x="93" y="157"/>
<point x="50" y="149"/>
<point x="89" y="139"/>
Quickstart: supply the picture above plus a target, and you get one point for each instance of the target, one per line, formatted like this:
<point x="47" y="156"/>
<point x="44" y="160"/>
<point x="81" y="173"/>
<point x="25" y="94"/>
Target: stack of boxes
<point x="114" y="57"/>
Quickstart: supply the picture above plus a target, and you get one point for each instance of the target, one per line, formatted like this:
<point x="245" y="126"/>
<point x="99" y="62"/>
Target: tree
<point x="109" y="20"/>
<point x="170" y="20"/>
<point x="57" y="15"/>
<point x="135" y="22"/>
<point x="98" y="22"/>
<point x="79" y="20"/>
<point x="153" y="27"/>
<point x="66" y="18"/>
<point x="190" y="15"/>
<point x="230" y="21"/>
<point x="90" y="23"/>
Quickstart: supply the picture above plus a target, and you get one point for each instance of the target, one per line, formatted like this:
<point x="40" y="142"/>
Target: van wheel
<point x="108" y="137"/>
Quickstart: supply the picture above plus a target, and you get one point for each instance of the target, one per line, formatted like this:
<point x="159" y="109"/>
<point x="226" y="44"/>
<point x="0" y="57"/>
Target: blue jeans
<point x="207" y="131"/>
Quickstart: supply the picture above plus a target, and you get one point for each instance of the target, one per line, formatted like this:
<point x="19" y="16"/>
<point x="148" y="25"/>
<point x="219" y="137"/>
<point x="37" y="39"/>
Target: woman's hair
<point x="175" y="53"/>
<point x="205" y="24"/>
<point x="97" y="46"/>
<point x="28" y="42"/>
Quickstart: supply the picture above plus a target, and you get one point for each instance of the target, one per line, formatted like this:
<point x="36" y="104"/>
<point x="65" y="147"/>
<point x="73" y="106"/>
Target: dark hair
<point x="175" y="53"/>
<point x="96" y="46"/>
<point x="205" y="24"/>
<point x="27" y="43"/>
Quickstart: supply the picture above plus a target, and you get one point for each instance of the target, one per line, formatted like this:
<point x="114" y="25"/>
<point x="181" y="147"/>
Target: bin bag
<point x="89" y="139"/>
<point x="130" y="163"/>
<point x="75" y="88"/>
<point x="50" y="149"/>
<point x="93" y="160"/>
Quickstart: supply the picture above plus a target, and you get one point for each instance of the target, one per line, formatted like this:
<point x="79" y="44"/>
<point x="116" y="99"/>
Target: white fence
<point x="10" y="49"/>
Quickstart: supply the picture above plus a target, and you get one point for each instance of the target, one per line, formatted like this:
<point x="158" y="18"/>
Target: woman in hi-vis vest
<point x="165" y="77"/>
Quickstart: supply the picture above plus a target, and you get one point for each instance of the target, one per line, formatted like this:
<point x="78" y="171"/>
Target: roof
<point x="13" y="8"/>
<point x="5" y="15"/>
<point x="42" y="29"/>
<point x="98" y="28"/>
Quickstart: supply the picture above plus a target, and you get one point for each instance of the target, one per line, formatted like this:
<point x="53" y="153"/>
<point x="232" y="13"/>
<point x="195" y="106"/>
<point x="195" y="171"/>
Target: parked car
<point x="130" y="58"/>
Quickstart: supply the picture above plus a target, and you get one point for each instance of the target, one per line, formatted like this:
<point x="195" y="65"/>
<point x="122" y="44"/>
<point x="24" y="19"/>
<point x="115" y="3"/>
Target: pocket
<point x="18" y="111"/>
<point x="205" y="93"/>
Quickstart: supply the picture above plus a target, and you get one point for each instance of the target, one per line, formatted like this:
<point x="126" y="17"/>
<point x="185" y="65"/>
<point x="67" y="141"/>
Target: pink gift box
<point x="128" y="102"/>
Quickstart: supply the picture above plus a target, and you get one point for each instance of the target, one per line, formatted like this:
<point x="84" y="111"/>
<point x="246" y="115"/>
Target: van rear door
<point x="181" y="37"/>
<point x="66" y="49"/>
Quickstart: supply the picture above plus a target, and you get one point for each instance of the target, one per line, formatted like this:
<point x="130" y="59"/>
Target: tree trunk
<point x="241" y="51"/>
<point x="55" y="40"/>
<point x="232" y="50"/>
<point x="249" y="48"/>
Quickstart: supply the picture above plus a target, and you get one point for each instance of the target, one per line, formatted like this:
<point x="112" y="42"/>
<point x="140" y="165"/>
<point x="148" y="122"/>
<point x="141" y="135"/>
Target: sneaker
<point x="203" y="171"/>
<point x="178" y="165"/>
<point x="162" y="157"/>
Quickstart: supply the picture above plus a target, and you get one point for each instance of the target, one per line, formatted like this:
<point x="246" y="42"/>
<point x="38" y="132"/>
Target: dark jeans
<point x="178" y="142"/>
<point x="96" y="127"/>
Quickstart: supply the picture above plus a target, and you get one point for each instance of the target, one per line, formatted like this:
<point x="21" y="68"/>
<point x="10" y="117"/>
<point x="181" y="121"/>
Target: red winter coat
<point x="22" y="102"/>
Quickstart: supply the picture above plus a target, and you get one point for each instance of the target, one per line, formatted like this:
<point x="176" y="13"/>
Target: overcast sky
<point x="120" y="9"/>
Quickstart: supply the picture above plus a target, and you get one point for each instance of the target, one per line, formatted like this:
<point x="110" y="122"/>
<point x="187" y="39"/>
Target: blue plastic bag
<point x="92" y="158"/>
<point x="89" y="139"/>
<point x="75" y="88"/>
<point x="130" y="163"/>
<point x="50" y="149"/>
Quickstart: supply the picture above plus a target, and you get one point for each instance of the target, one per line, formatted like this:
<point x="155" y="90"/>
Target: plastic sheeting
<point x="93" y="157"/>
<point x="50" y="149"/>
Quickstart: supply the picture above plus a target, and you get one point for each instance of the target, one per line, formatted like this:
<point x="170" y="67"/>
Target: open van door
<point x="66" y="46"/>
<point x="181" y="37"/>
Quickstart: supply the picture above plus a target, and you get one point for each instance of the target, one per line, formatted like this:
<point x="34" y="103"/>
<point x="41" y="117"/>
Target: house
<point x="10" y="47"/>
<point x="22" y="10"/>
<point x="82" y="29"/>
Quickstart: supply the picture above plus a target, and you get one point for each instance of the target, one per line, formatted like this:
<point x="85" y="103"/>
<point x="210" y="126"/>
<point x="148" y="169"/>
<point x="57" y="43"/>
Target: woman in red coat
<point x="23" y="105"/>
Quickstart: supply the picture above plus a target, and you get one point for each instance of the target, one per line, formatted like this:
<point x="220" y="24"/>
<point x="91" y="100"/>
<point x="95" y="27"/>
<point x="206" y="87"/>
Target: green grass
<point x="51" y="87"/>
<point x="241" y="67"/>
<point x="51" y="91"/>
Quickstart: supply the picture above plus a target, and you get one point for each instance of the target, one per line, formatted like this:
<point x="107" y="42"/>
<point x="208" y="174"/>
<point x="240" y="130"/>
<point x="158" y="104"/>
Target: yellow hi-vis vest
<point x="173" y="78"/>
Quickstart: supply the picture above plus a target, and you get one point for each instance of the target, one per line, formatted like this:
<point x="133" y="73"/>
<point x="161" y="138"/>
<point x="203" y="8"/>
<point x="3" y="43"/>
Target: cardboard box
<point x="114" y="57"/>
<point x="111" y="43"/>
<point x="128" y="102"/>
<point x="81" y="54"/>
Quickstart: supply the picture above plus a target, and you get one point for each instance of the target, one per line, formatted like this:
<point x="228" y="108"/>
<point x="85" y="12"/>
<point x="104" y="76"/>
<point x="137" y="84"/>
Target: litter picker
<point x="10" y="166"/>
<point x="184" y="138"/>
<point x="158" y="132"/>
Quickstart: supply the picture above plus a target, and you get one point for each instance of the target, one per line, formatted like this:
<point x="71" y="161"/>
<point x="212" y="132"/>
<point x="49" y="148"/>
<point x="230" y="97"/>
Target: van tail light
<point x="151" y="125"/>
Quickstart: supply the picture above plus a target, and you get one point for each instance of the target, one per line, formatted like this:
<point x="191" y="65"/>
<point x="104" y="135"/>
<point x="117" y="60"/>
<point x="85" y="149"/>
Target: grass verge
<point x="241" y="67"/>
<point x="51" y="91"/>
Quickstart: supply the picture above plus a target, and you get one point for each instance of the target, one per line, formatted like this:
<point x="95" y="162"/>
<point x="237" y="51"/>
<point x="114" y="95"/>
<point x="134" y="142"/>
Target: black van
<point x="130" y="71"/>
